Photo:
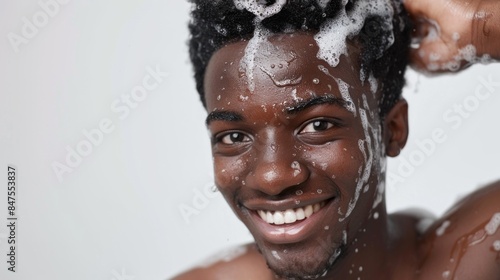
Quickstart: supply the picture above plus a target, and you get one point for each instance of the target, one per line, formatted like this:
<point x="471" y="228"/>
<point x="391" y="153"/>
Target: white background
<point x="116" y="216"/>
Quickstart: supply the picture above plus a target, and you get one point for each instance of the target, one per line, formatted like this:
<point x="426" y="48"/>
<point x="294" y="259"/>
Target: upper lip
<point x="282" y="205"/>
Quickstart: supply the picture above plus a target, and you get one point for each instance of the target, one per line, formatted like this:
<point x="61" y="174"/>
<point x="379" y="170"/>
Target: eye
<point x="233" y="138"/>
<point x="316" y="126"/>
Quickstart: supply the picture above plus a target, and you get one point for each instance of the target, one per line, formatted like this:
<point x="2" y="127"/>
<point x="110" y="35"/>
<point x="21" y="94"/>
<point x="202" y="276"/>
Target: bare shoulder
<point x="465" y="242"/>
<point x="238" y="263"/>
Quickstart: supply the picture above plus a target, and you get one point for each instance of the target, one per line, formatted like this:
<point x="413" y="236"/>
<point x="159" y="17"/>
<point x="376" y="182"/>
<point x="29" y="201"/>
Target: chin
<point x="301" y="264"/>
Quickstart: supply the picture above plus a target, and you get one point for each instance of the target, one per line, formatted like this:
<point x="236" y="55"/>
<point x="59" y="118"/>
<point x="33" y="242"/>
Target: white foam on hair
<point x="323" y="3"/>
<point x="259" y="9"/>
<point x="333" y="34"/>
<point x="373" y="83"/>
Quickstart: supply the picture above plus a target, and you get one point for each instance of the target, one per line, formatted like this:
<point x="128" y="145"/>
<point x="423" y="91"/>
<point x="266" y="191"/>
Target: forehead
<point x="277" y="68"/>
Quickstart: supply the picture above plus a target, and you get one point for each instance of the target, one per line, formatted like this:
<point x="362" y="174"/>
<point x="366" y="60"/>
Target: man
<point x="304" y="105"/>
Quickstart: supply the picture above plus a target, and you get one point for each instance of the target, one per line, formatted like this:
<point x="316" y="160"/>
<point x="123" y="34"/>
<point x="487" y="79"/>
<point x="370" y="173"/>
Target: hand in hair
<point x="451" y="35"/>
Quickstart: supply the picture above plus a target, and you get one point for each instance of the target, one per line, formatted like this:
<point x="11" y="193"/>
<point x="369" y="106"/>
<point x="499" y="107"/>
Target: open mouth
<point x="290" y="216"/>
<point x="292" y="225"/>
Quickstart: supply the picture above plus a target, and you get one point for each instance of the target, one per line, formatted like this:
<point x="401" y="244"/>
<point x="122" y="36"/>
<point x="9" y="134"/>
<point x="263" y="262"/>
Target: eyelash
<point x="329" y="123"/>
<point x="235" y="137"/>
<point x="235" y="134"/>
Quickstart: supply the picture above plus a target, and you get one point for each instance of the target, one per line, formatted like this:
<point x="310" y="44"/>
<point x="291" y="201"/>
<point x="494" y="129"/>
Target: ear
<point x="396" y="128"/>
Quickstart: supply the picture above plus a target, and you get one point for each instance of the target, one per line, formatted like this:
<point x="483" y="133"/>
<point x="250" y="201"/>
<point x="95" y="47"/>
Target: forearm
<point x="486" y="34"/>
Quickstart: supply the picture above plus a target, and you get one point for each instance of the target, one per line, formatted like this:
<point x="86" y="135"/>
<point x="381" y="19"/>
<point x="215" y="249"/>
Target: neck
<point x="370" y="251"/>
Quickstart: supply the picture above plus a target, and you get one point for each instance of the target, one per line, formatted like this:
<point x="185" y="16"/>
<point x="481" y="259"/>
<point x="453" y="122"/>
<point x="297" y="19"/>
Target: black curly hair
<point x="215" y="23"/>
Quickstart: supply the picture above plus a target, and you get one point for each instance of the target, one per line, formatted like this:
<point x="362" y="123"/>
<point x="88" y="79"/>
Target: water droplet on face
<point x="297" y="202"/>
<point x="319" y="191"/>
<point x="327" y="227"/>
<point x="299" y="192"/>
<point x="296" y="167"/>
<point x="280" y="65"/>
<point x="273" y="66"/>
<point x="324" y="166"/>
<point x="496" y="245"/>
<point x="218" y="97"/>
<point x="273" y="147"/>
<point x="375" y="215"/>
<point x="315" y="81"/>
<point x="446" y="274"/>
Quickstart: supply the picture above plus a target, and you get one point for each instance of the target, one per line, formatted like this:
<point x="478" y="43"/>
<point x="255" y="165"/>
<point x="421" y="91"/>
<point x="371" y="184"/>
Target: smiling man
<point x="304" y="105"/>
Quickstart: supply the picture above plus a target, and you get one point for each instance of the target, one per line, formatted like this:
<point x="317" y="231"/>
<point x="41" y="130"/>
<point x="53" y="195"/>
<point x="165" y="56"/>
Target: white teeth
<point x="269" y="217"/>
<point x="290" y="215"/>
<point x="278" y="218"/>
<point x="262" y="215"/>
<point x="300" y="214"/>
<point x="308" y="211"/>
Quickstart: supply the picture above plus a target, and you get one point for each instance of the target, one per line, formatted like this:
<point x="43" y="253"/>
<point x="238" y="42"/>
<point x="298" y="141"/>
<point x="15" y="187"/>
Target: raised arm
<point x="451" y="35"/>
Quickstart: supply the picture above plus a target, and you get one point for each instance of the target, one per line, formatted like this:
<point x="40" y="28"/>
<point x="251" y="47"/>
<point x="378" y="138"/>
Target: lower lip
<point x="292" y="233"/>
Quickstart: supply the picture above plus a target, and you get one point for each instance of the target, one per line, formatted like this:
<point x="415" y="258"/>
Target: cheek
<point x="341" y="161"/>
<point x="229" y="171"/>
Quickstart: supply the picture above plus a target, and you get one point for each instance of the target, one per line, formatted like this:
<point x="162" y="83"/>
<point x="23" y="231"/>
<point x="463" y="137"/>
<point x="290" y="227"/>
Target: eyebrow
<point x="327" y="99"/>
<point x="295" y="108"/>
<point x="223" y="116"/>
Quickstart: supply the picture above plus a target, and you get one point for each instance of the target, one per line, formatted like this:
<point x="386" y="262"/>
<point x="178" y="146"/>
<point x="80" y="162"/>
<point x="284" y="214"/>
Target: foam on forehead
<point x="333" y="34"/>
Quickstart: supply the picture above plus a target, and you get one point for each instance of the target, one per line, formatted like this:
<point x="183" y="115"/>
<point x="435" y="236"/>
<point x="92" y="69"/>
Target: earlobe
<point x="396" y="128"/>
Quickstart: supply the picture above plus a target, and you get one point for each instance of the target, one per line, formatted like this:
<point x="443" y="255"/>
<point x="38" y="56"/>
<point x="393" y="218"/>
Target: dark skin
<point x="293" y="141"/>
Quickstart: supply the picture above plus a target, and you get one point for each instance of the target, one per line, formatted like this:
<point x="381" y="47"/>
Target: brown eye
<point x="317" y="125"/>
<point x="234" y="137"/>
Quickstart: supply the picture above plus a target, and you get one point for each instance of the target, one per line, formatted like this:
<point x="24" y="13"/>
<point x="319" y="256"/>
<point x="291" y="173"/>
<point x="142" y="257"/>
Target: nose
<point x="276" y="169"/>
